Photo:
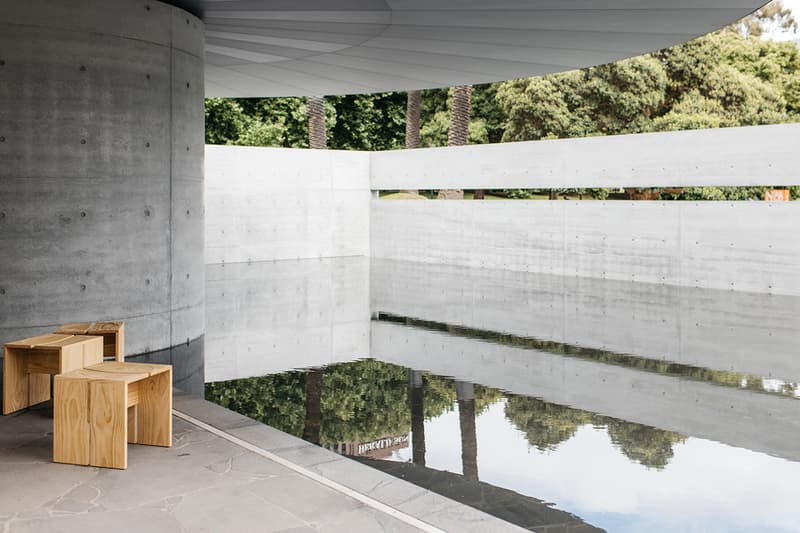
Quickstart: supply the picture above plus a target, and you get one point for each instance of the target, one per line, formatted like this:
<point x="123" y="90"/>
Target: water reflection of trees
<point x="359" y="401"/>
<point x="644" y="444"/>
<point x="365" y="400"/>
<point x="546" y="425"/>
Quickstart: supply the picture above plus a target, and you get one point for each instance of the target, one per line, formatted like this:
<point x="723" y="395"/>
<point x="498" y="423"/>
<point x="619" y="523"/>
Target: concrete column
<point x="101" y="169"/>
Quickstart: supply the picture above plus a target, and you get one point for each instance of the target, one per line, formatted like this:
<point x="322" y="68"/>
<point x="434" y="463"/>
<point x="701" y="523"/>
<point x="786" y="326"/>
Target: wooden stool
<point x="98" y="410"/>
<point x="28" y="364"/>
<point x="113" y="334"/>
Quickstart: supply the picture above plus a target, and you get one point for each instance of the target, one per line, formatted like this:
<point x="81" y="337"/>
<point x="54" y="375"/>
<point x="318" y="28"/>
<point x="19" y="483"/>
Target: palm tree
<point x="413" y="109"/>
<point x="459" y="130"/>
<point x="317" y="135"/>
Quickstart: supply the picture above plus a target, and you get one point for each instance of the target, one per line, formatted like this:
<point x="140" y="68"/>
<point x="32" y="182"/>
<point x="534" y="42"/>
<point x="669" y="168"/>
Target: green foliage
<point x="257" y="133"/>
<point x="361" y="401"/>
<point x="745" y="99"/>
<point x="727" y="193"/>
<point x="621" y="97"/>
<point x="646" y="445"/>
<point x="258" y="399"/>
<point x="718" y="80"/>
<point x="535" y="108"/>
<point x="692" y="111"/>
<point x="547" y="425"/>
<point x="224" y="120"/>
<point x="435" y="116"/>
<point x="368" y="122"/>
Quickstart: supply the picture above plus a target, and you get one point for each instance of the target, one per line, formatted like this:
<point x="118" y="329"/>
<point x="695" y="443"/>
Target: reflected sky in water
<point x="625" y="407"/>
<point x="706" y="486"/>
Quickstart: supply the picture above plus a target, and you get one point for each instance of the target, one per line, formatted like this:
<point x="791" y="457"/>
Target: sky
<point x="794" y="5"/>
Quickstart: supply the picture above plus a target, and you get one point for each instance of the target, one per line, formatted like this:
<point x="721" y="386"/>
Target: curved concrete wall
<point x="101" y="180"/>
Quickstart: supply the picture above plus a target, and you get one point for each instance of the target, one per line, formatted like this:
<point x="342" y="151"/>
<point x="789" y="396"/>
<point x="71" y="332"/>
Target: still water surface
<point x="540" y="430"/>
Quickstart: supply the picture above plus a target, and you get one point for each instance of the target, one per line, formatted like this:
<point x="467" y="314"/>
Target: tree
<point x="622" y="97"/>
<point x="224" y="120"/>
<point x="545" y="425"/>
<point x="367" y="121"/>
<point x="646" y="445"/>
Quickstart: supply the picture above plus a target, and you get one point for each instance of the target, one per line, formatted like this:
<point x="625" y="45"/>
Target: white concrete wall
<point x="265" y="204"/>
<point x="743" y="246"/>
<point x="272" y="204"/>
<point x="757" y="155"/>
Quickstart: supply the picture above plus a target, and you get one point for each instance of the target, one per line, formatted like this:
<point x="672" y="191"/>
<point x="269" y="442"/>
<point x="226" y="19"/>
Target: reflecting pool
<point x="548" y="402"/>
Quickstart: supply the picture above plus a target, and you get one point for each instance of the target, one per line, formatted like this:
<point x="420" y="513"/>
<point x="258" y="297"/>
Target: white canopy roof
<point x="302" y="47"/>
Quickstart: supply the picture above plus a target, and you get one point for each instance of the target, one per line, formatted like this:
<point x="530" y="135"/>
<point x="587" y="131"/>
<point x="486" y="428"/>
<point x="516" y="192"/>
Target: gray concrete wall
<point x="757" y="155"/>
<point x="741" y="246"/>
<point x="265" y="204"/>
<point x="744" y="332"/>
<point x="101" y="181"/>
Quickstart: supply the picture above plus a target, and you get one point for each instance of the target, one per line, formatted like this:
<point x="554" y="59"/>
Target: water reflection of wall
<point x="724" y="330"/>
<point x="743" y="418"/>
<point x="269" y="317"/>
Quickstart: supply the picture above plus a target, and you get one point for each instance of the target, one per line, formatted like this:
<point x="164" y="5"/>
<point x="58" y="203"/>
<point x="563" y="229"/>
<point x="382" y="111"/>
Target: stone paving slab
<point x="205" y="483"/>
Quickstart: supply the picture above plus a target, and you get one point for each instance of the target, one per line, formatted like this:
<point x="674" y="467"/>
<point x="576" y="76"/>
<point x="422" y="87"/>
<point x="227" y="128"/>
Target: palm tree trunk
<point x="415" y="395"/>
<point x="457" y="135"/>
<point x="313" y="425"/>
<point x="413" y="110"/>
<point x="465" y="393"/>
<point x="317" y="134"/>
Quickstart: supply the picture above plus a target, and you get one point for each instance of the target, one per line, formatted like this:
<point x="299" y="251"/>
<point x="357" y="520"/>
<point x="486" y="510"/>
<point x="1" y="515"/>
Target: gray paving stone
<point x="204" y="483"/>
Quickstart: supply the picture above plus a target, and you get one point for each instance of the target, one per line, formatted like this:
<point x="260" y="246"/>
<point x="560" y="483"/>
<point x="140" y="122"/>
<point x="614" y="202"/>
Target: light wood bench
<point x="113" y="334"/>
<point x="29" y="363"/>
<point x="98" y="410"/>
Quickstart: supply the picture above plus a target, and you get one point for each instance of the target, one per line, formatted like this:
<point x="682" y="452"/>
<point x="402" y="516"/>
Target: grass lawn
<point x="469" y="195"/>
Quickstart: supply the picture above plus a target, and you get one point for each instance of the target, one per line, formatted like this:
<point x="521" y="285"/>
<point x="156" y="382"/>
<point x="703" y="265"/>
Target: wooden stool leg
<point x="71" y="421"/>
<point x="155" y="410"/>
<point x="108" y="416"/>
<point x="38" y="388"/>
<point x="133" y="424"/>
<point x="119" y="344"/>
<point x="15" y="381"/>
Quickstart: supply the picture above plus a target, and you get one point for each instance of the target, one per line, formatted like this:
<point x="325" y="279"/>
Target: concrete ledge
<point x="410" y="499"/>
